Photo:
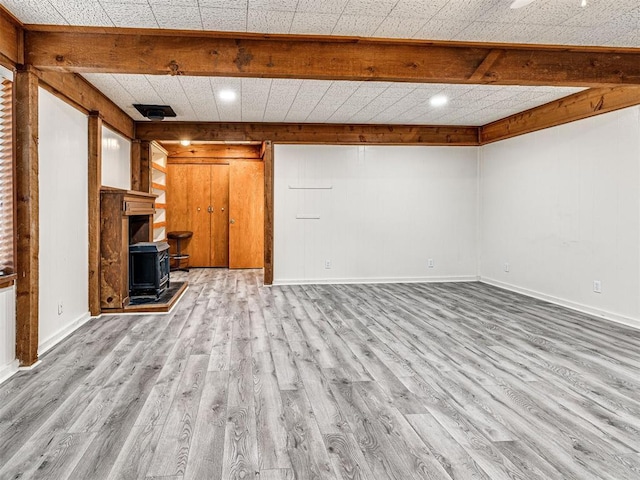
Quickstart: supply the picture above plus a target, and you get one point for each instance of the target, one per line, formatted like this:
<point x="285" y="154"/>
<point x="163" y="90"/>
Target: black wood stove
<point x="148" y="269"/>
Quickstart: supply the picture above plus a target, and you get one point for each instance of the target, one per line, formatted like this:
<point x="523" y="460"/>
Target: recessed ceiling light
<point x="185" y="143"/>
<point x="438" y="101"/>
<point x="227" y="95"/>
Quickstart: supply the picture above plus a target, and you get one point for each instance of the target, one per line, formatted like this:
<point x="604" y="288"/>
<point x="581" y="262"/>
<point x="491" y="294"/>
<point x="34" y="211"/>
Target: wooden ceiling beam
<point x="309" y="133"/>
<point x="11" y="39"/>
<point x="585" y="104"/>
<point x="177" y="150"/>
<point x="164" y="52"/>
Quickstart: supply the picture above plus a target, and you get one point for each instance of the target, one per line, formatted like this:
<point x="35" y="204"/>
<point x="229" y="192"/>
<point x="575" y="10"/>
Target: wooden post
<point x="27" y="219"/>
<point x="268" y="213"/>
<point x="135" y="165"/>
<point x="95" y="182"/>
<point x="141" y="166"/>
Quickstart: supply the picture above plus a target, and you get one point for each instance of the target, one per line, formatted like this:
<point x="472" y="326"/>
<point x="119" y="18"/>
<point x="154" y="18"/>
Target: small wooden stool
<point x="179" y="256"/>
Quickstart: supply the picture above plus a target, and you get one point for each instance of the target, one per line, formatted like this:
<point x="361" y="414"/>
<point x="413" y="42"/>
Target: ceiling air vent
<point x="155" y="112"/>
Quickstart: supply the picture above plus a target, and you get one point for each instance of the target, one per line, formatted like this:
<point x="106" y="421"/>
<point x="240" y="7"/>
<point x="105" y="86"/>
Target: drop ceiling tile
<point x="128" y="2"/>
<point x="108" y="85"/>
<point x="139" y="88"/>
<point x="130" y="15"/>
<point x="233" y="4"/>
<point x="417" y="8"/>
<point x="440" y="29"/>
<point x="82" y="12"/>
<point x="463" y="10"/>
<point x="321" y="6"/>
<point x="314" y="23"/>
<point x="368" y="91"/>
<point x="357" y="25"/>
<point x="194" y="98"/>
<point x="224" y="19"/>
<point x="200" y="96"/>
<point x="484" y="32"/>
<point x="34" y="11"/>
<point x="189" y="18"/>
<point x="269" y="21"/>
<point x="379" y="8"/>
<point x="566" y="35"/>
<point x="541" y="12"/>
<point x="399" y="27"/>
<point x="284" y="5"/>
<point x="597" y="14"/>
<point x="174" y="3"/>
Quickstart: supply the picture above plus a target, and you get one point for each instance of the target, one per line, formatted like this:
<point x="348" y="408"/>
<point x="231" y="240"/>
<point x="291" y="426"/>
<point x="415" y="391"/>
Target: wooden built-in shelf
<point x="159" y="186"/>
<point x="159" y="224"/>
<point x="161" y="206"/>
<point x="159" y="167"/>
<point x="7" y="280"/>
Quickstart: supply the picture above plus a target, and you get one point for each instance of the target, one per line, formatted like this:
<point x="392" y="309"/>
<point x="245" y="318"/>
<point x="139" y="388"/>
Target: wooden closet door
<point x="220" y="215"/>
<point x="246" y="214"/>
<point x="189" y="197"/>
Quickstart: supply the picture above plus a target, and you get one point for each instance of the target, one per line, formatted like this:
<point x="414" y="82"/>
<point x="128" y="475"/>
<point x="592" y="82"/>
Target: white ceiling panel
<point x="224" y="19"/>
<point x="269" y="21"/>
<point x="357" y="25"/>
<point x="314" y="23"/>
<point x="134" y="15"/>
<point x="322" y="6"/>
<point x="319" y="101"/>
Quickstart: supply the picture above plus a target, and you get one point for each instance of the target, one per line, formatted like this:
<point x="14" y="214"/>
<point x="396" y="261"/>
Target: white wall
<point x="8" y="362"/>
<point x="116" y="160"/>
<point x="389" y="210"/>
<point x="63" y="219"/>
<point x="562" y="207"/>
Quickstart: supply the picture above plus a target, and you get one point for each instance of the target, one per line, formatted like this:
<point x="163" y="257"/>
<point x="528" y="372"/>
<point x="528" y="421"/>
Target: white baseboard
<point x="64" y="333"/>
<point x="343" y="281"/>
<point x="8" y="371"/>
<point x="596" y="312"/>
<point x="30" y="367"/>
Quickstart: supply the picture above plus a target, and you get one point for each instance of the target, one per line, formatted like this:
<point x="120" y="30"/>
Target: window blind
<point x="6" y="179"/>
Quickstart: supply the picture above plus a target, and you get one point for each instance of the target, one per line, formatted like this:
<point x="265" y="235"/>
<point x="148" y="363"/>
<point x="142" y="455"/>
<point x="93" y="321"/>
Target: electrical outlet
<point x="430" y="263"/>
<point x="327" y="264"/>
<point x="597" y="286"/>
<point x="506" y="267"/>
<point x="59" y="308"/>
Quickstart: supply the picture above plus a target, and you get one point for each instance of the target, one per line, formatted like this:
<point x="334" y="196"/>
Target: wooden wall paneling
<point x="153" y="52"/>
<point x="202" y="152"/>
<point x="11" y="39"/>
<point x="189" y="191"/>
<point x="95" y="182"/>
<point x="268" y="212"/>
<point x="312" y="133"/>
<point x="220" y="215"/>
<point x="246" y="214"/>
<point x="74" y="89"/>
<point x="585" y="104"/>
<point x="197" y="161"/>
<point x="27" y="216"/>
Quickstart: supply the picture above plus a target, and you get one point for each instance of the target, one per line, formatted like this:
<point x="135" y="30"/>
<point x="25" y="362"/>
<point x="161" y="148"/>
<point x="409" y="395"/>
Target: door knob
<point x="232" y="221"/>
<point x="198" y="208"/>
<point x="210" y="209"/>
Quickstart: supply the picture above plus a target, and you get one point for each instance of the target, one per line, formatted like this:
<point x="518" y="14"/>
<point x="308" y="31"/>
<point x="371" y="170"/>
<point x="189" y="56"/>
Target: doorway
<point x="217" y="192"/>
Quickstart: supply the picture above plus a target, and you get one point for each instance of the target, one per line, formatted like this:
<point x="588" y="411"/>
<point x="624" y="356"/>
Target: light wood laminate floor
<point x="405" y="381"/>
